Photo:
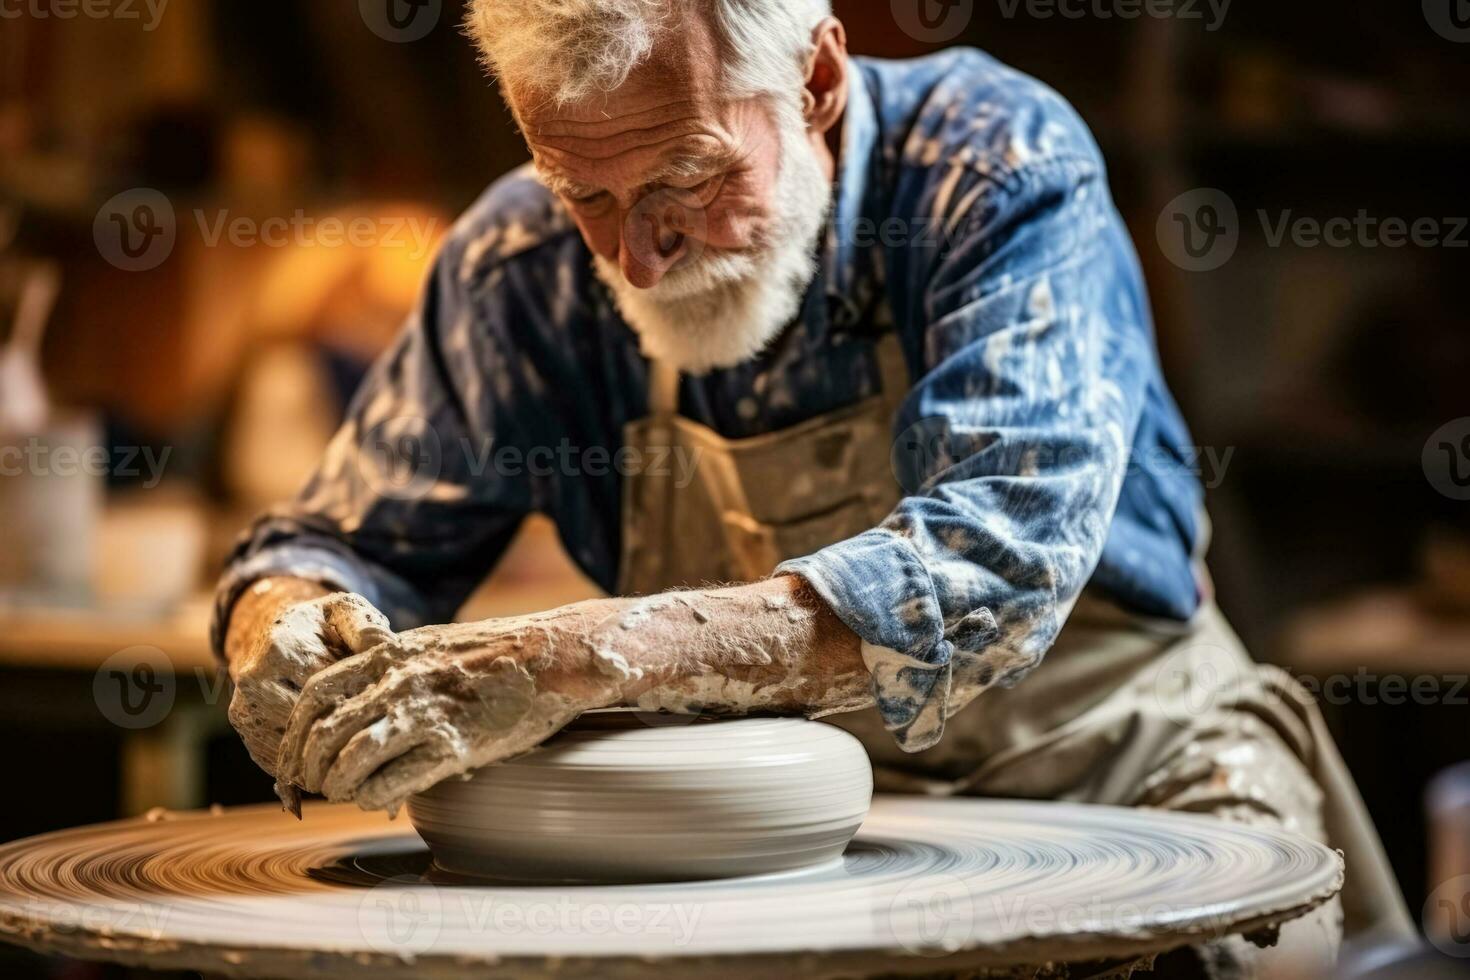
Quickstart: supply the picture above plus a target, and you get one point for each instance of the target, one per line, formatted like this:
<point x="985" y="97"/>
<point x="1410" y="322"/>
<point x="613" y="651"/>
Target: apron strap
<point x="663" y="389"/>
<point x="893" y="371"/>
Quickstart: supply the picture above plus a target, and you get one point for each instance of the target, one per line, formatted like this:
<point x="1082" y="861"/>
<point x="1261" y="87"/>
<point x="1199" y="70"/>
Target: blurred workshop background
<point x="213" y="214"/>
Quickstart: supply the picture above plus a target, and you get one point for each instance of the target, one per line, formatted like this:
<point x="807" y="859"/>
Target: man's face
<point x="701" y="210"/>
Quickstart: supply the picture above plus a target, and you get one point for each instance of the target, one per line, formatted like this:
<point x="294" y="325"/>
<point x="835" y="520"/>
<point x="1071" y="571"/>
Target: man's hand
<point x="434" y="703"/>
<point x="282" y="632"/>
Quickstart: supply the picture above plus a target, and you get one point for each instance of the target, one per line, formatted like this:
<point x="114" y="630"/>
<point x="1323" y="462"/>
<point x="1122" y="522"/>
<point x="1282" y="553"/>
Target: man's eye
<point x="704" y="186"/>
<point x="587" y="200"/>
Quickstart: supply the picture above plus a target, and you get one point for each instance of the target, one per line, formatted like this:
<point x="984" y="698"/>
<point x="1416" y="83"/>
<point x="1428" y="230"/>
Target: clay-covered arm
<point x="255" y="611"/>
<point x="771" y="646"/>
<point x="433" y="703"/>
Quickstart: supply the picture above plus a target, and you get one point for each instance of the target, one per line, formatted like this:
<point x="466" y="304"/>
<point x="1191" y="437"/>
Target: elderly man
<point x="867" y="338"/>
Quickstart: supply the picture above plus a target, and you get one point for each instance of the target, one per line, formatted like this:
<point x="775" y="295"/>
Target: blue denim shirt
<point x="1039" y="447"/>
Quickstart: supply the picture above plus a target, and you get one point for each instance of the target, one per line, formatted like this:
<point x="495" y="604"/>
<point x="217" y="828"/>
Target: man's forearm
<point x="774" y="645"/>
<point x="258" y="607"/>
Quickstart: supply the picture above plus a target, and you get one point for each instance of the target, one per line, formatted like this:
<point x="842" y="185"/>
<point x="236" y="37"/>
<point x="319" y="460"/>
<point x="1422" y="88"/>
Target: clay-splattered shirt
<point x="1039" y="447"/>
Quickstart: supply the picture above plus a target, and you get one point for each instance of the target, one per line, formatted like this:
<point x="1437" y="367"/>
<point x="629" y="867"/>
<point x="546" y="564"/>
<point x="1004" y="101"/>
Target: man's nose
<point x="653" y="240"/>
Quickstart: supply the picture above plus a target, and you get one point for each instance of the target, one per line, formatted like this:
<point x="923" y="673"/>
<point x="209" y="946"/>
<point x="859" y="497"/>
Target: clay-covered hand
<point x="277" y="644"/>
<point x="441" y="701"/>
<point x="444" y="700"/>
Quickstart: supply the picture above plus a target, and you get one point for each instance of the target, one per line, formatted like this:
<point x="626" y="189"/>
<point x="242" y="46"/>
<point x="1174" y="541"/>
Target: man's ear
<point x="825" y="97"/>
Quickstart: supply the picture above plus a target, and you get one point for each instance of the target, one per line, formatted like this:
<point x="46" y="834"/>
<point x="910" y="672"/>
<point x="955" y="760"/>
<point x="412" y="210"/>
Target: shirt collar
<point x="854" y="173"/>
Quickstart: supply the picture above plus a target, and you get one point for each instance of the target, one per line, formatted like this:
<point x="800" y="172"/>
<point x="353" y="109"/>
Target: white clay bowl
<point x="613" y="799"/>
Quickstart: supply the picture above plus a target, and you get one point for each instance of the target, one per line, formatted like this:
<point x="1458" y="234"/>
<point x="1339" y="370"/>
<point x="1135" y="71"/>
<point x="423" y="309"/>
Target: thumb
<point x="354" y="625"/>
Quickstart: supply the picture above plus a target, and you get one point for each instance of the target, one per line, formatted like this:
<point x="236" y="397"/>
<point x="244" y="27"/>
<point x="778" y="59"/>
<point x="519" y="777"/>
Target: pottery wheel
<point x="927" y="886"/>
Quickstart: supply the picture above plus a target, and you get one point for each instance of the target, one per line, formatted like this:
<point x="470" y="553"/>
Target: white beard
<point x="726" y="307"/>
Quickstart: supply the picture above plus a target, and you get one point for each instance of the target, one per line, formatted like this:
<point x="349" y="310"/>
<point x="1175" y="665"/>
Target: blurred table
<point x="163" y="763"/>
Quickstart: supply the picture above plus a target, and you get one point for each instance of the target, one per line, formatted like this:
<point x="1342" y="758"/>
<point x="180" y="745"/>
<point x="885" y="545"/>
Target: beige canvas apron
<point x="1122" y="711"/>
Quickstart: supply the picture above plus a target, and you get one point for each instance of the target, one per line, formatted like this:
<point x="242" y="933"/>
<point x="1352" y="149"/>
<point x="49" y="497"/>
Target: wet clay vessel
<point x="621" y="797"/>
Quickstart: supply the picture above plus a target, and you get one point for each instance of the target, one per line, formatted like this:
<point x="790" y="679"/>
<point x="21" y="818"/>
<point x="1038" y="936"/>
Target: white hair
<point x="572" y="49"/>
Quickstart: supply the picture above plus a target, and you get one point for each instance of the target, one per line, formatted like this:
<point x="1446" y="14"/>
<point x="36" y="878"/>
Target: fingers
<point x="301" y="641"/>
<point x="396" y="739"/>
<point x="324" y="694"/>
<point x="328" y="736"/>
<point x="366" y="752"/>
<point x="415" y="771"/>
<point x="436" y="760"/>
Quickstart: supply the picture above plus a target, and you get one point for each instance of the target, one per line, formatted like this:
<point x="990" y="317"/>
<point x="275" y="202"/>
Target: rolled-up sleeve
<point x="1012" y="446"/>
<point x="406" y="508"/>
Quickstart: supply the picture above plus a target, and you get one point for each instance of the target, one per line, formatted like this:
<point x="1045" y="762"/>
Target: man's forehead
<point x="679" y="80"/>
